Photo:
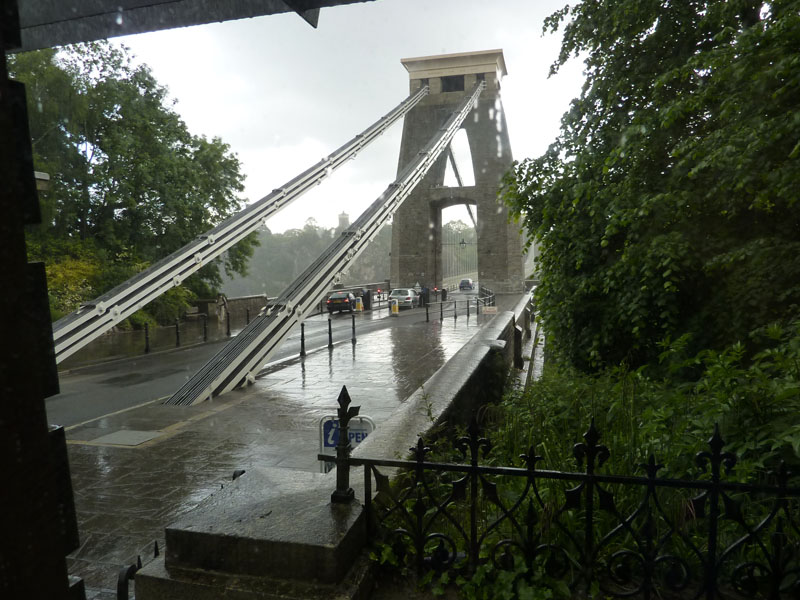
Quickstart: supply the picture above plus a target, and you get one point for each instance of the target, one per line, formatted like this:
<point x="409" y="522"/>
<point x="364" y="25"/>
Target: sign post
<point x="358" y="429"/>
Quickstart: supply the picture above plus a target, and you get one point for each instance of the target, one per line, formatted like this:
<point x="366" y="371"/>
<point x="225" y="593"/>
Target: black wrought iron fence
<point x="602" y="535"/>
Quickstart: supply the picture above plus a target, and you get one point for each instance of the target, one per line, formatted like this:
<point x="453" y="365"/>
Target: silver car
<point x="406" y="297"/>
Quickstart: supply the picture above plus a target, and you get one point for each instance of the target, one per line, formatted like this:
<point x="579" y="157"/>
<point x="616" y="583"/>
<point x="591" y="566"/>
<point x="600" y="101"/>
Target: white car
<point x="405" y="297"/>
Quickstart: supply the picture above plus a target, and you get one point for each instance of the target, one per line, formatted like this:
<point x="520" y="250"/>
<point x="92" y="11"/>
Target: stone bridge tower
<point x="417" y="225"/>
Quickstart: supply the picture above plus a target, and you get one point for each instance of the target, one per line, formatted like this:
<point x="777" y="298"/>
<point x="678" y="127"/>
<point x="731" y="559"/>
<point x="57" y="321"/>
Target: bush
<point x="755" y="400"/>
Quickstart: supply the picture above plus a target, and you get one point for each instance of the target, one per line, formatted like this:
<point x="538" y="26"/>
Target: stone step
<point x="156" y="582"/>
<point x="270" y="529"/>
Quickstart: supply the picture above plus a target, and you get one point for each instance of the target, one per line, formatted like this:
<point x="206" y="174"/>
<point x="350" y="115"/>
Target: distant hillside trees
<point x="129" y="183"/>
<point x="457" y="258"/>
<point x="281" y="257"/>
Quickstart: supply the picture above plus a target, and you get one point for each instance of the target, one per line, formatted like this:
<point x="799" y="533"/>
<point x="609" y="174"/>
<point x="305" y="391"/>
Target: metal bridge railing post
<point x="330" y="333"/>
<point x="125" y="575"/>
<point x="343" y="492"/>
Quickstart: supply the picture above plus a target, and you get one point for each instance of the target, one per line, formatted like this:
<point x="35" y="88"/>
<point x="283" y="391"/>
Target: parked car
<point x="466" y="284"/>
<point x="407" y="297"/>
<point x="341" y="301"/>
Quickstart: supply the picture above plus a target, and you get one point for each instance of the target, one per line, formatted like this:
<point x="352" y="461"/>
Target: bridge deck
<point x="126" y="494"/>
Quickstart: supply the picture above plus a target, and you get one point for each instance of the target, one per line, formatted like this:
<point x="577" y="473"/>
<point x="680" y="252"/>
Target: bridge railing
<point x="117" y="344"/>
<point x="486" y="297"/>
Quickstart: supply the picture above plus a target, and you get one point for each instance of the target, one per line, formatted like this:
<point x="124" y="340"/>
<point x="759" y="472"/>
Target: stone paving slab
<point x="127" y="437"/>
<point x="126" y="496"/>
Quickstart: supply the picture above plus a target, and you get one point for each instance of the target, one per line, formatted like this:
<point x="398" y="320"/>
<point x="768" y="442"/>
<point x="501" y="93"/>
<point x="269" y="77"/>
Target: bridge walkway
<point x="136" y="471"/>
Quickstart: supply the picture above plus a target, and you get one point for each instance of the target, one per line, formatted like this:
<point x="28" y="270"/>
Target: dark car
<point x="341" y="301"/>
<point x="466" y="284"/>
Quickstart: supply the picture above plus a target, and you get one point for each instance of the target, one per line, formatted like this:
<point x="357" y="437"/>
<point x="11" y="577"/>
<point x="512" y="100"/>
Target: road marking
<point x="166" y="432"/>
<point x="71" y="427"/>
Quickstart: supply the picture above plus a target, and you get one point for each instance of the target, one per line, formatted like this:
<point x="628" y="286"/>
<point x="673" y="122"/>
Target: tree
<point x="130" y="184"/>
<point x="668" y="203"/>
<point x="372" y="265"/>
<point x="281" y="257"/>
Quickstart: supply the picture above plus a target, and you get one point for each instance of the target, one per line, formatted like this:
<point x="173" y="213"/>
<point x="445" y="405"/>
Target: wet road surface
<point x="93" y="391"/>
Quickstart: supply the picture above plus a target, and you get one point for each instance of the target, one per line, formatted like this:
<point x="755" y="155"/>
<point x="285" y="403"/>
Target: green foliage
<point x="129" y="183"/>
<point x="486" y="583"/>
<point x="667" y="205"/>
<point x="519" y="583"/>
<point x="372" y="265"/>
<point x="171" y="305"/>
<point x="755" y="401"/>
<point x="71" y="271"/>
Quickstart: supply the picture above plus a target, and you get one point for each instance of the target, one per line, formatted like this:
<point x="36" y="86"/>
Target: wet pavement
<point x="139" y="469"/>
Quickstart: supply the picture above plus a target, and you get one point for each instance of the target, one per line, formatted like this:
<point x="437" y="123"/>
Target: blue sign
<point x="357" y="432"/>
<point x="360" y="427"/>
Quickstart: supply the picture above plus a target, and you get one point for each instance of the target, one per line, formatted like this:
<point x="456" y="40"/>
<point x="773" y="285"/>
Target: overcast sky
<point x="283" y="94"/>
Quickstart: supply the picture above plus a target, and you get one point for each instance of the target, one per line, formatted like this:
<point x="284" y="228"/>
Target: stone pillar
<point x="416" y="230"/>
<point x="38" y="522"/>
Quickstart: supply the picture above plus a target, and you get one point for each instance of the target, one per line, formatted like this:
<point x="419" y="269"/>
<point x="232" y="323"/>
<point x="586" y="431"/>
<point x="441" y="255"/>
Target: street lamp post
<point x="453" y="261"/>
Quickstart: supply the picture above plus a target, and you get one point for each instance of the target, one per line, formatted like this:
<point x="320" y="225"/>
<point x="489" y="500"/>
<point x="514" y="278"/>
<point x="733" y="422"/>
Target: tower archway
<point x="459" y="244"/>
<point x="417" y="225"/>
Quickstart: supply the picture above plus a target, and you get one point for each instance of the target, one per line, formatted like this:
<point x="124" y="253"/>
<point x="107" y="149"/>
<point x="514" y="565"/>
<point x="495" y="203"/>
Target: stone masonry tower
<point x="417" y="225"/>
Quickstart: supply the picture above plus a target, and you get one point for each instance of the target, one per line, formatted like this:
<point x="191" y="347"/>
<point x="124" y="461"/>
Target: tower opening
<point x="453" y="83"/>
<point x="459" y="241"/>
<point x="458" y="171"/>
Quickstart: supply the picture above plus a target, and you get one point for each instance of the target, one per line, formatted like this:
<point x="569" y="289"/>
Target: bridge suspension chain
<point x="77" y="329"/>
<point x="241" y="359"/>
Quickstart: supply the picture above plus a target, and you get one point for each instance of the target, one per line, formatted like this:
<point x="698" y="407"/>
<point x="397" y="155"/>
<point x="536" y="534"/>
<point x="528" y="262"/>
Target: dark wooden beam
<point x="47" y="23"/>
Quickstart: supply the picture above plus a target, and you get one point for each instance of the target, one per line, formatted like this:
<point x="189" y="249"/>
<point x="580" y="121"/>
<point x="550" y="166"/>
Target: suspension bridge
<point x="425" y="154"/>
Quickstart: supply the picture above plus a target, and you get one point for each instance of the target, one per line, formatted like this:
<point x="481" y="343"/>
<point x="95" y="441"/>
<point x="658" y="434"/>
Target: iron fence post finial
<point x="343" y="492"/>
